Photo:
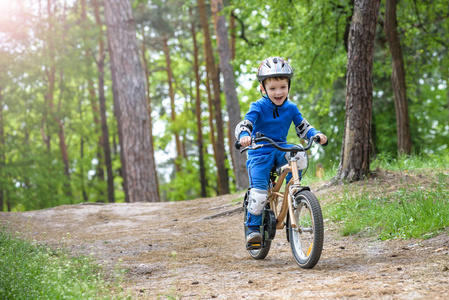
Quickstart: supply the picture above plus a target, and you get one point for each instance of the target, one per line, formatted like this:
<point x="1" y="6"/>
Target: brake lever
<point x="253" y="146"/>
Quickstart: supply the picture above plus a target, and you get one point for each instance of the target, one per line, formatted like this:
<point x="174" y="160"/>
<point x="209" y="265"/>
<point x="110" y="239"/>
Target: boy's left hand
<point x="323" y="138"/>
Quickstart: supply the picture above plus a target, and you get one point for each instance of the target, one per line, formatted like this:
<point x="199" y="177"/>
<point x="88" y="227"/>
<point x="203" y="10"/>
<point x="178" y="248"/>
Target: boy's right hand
<point x="245" y="141"/>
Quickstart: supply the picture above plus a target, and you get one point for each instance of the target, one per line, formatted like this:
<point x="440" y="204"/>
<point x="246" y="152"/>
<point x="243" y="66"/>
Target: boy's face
<point x="277" y="90"/>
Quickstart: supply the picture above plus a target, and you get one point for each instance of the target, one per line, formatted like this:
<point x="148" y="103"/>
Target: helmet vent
<point x="274" y="67"/>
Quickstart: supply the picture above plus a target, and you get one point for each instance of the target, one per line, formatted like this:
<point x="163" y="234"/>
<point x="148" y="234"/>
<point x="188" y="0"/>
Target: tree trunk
<point x="96" y="112"/>
<point x="220" y="155"/>
<point x="147" y="93"/>
<point x="83" y="185"/>
<point x="61" y="136"/>
<point x="99" y="172"/>
<point x="210" y="107"/>
<point x="50" y="99"/>
<point x="179" y="152"/>
<point x="199" y="128"/>
<point x="122" y="170"/>
<point x="50" y="76"/>
<point x="232" y="31"/>
<point x="398" y="79"/>
<point x="356" y="148"/>
<point x="131" y="111"/>
<point x="102" y="99"/>
<point x="2" y="152"/>
<point x="232" y="102"/>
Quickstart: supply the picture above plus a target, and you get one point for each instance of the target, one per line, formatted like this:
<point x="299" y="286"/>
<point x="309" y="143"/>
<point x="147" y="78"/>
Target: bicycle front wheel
<point x="307" y="238"/>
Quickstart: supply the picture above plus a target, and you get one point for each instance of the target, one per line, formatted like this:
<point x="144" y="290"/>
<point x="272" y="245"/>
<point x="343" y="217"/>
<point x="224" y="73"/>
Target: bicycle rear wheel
<point x="260" y="253"/>
<point x="307" y="239"/>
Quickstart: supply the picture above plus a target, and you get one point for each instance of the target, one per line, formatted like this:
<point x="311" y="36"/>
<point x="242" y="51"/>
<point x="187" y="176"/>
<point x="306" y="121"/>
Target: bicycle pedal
<point x="250" y="246"/>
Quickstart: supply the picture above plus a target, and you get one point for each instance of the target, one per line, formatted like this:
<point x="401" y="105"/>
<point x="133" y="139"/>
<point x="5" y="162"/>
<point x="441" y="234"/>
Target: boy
<point x="271" y="115"/>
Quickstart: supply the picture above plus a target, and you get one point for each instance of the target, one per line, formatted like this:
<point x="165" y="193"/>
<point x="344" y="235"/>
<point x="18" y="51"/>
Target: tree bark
<point x="220" y="155"/>
<point x="179" y="152"/>
<point x="2" y="151"/>
<point x="232" y="30"/>
<point x="398" y="79"/>
<point x="61" y="136"/>
<point x="356" y="148"/>
<point x="83" y="185"/>
<point x="210" y="108"/>
<point x="131" y="108"/>
<point x="232" y="102"/>
<point x="50" y="100"/>
<point x="99" y="172"/>
<point x="96" y="112"/>
<point x="199" y="128"/>
<point x="50" y="73"/>
<point x="147" y="93"/>
<point x="122" y="170"/>
<point x="102" y="99"/>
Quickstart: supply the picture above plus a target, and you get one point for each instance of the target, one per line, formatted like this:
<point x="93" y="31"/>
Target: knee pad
<point x="257" y="201"/>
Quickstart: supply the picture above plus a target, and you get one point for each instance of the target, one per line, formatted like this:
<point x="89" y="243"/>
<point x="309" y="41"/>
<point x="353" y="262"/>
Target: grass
<point x="409" y="211"/>
<point x="386" y="161"/>
<point x="32" y="271"/>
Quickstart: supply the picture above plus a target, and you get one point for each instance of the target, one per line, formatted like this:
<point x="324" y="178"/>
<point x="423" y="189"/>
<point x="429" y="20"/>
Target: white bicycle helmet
<point x="274" y="67"/>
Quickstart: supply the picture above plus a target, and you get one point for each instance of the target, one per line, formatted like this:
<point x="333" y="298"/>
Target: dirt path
<point x="173" y="252"/>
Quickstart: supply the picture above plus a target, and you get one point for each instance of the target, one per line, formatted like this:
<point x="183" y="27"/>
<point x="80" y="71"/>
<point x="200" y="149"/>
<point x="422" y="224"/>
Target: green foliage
<point x="32" y="271"/>
<point x="310" y="34"/>
<point x="32" y="175"/>
<point x="185" y="184"/>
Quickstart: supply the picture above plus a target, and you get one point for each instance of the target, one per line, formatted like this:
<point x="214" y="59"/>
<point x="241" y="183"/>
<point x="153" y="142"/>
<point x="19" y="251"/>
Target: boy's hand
<point x="323" y="138"/>
<point x="245" y="141"/>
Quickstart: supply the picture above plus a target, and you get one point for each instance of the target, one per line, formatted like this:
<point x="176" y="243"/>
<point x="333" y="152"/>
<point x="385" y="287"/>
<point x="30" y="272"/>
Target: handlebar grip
<point x="318" y="140"/>
<point x="237" y="145"/>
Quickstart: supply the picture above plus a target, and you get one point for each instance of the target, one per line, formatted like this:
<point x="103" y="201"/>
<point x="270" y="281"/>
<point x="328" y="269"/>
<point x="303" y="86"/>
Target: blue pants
<point x="259" y="167"/>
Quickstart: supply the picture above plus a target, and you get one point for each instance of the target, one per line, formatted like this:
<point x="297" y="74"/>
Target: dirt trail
<point x="173" y="251"/>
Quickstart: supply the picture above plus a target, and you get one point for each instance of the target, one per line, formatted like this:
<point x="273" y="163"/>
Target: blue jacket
<point x="262" y="115"/>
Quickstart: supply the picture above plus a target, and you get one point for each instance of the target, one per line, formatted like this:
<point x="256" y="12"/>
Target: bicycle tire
<point x="307" y="240"/>
<point x="255" y="253"/>
<point x="262" y="252"/>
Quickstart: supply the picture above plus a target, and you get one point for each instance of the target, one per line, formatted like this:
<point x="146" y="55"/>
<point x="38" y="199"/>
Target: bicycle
<point x="297" y="209"/>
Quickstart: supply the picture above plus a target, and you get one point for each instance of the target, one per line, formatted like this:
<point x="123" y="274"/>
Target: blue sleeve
<point x="312" y="132"/>
<point x="252" y="115"/>
<point x="297" y="116"/>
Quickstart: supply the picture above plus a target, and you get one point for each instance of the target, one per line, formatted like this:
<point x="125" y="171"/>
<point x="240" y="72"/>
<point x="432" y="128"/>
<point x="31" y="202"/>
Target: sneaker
<point x="254" y="238"/>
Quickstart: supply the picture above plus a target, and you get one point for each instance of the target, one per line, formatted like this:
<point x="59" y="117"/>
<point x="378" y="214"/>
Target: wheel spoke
<point x="306" y="229"/>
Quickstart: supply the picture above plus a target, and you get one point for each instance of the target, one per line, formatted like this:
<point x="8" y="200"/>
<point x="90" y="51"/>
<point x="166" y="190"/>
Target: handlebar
<point x="259" y="138"/>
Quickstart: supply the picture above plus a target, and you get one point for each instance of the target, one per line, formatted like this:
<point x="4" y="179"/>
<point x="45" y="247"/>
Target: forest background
<point x="59" y="131"/>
